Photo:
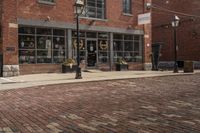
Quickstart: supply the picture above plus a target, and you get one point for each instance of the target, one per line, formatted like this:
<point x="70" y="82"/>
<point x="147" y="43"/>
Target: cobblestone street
<point x="146" y="105"/>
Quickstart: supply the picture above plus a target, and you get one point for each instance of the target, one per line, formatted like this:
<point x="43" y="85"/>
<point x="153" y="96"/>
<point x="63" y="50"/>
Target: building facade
<point x="188" y="32"/>
<point x="38" y="35"/>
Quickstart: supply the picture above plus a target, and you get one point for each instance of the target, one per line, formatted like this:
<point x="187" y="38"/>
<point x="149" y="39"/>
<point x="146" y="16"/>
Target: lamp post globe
<point x="175" y="24"/>
<point x="79" y="6"/>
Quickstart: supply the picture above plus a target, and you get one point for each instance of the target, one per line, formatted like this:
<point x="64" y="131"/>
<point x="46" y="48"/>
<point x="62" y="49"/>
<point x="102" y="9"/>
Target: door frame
<point x="91" y="39"/>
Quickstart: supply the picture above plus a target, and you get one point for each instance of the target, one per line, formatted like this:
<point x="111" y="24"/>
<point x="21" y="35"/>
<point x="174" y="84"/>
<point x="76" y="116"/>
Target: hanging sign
<point x="144" y="18"/>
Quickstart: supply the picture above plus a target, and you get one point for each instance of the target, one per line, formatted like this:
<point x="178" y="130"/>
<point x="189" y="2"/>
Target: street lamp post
<point x="175" y="24"/>
<point x="79" y="6"/>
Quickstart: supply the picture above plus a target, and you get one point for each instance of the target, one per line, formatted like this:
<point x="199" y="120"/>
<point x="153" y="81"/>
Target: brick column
<point x="10" y="38"/>
<point x="147" y="40"/>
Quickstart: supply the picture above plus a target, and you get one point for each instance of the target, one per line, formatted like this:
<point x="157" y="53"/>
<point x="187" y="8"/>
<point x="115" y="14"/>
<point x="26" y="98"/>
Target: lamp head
<point x="175" y="21"/>
<point x="79" y="3"/>
<point x="79" y="6"/>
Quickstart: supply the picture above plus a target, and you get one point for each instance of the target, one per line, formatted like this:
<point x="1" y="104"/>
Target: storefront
<point x="40" y="46"/>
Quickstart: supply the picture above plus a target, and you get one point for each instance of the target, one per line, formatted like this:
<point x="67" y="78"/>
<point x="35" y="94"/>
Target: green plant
<point x="120" y="60"/>
<point x="69" y="62"/>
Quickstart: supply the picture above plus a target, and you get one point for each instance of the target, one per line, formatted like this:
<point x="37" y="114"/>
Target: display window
<point x="128" y="47"/>
<point x="42" y="45"/>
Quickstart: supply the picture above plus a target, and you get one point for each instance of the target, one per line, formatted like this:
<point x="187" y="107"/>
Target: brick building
<point x="188" y="33"/>
<point x="37" y="35"/>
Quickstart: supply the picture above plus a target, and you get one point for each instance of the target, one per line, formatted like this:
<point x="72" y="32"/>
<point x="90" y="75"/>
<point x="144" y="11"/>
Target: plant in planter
<point x="69" y="65"/>
<point x="121" y="64"/>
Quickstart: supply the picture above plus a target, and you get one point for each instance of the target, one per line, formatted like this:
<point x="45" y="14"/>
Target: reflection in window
<point x="95" y="9"/>
<point x="128" y="47"/>
<point x="43" y="46"/>
<point x="127" y="6"/>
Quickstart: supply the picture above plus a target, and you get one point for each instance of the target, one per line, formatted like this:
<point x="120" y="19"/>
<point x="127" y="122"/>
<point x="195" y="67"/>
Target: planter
<point x="188" y="67"/>
<point x="68" y="69"/>
<point x="121" y="67"/>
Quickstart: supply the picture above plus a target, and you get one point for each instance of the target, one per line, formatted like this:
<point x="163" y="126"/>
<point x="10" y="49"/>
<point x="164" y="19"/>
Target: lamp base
<point x="78" y="73"/>
<point x="176" y="68"/>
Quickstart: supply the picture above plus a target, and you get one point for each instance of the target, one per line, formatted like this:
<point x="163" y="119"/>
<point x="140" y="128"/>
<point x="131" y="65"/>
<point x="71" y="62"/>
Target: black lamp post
<point x="175" y="24"/>
<point x="79" y="6"/>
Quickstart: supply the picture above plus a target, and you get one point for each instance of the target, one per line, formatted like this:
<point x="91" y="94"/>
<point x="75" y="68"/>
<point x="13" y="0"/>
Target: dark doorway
<point x="91" y="53"/>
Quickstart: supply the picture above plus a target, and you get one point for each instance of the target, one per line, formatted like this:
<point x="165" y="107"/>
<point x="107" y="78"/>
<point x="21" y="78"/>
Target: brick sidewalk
<point x="24" y="81"/>
<point x="146" y="105"/>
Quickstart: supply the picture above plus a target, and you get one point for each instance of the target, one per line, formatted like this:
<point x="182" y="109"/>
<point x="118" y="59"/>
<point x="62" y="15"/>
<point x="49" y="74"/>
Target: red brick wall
<point x="147" y="37"/>
<point x="1" y="11"/>
<point x="188" y="33"/>
<point x="39" y="68"/>
<point x="10" y="32"/>
<point x="63" y="11"/>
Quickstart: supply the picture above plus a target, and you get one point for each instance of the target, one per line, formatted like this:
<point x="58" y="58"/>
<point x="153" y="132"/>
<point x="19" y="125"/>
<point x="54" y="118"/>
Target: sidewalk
<point x="58" y="78"/>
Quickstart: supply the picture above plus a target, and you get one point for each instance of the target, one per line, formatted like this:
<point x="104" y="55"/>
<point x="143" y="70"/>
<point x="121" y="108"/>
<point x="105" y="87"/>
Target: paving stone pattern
<point x="147" y="105"/>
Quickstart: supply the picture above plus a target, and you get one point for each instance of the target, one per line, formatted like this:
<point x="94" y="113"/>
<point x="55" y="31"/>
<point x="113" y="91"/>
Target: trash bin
<point x="188" y="67"/>
<point x="1" y="65"/>
<point x="156" y="47"/>
<point x="180" y="64"/>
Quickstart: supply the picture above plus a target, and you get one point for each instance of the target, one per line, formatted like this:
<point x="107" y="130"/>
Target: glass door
<point x="91" y="53"/>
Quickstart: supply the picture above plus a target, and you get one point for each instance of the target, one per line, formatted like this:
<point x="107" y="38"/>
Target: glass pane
<point x="91" y="12"/>
<point x="59" y="42"/>
<point x="103" y="45"/>
<point x="103" y="35"/>
<point x="136" y="38"/>
<point x="44" y="31"/>
<point x="128" y="37"/>
<point x="136" y="46"/>
<point x="91" y="34"/>
<point x="59" y="32"/>
<point x="58" y="56"/>
<point x="103" y="57"/>
<point x="26" y="42"/>
<point x="118" y="45"/>
<point x="118" y="36"/>
<point x="117" y="55"/>
<point x="27" y="56"/>
<point x="81" y="34"/>
<point x="44" y="42"/>
<point x="44" y="56"/>
<point x="128" y="46"/>
<point x="128" y="56"/>
<point x="26" y="30"/>
<point x="81" y="44"/>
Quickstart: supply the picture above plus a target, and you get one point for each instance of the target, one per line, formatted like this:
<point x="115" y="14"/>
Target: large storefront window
<point x="42" y="45"/>
<point x="94" y="47"/>
<point x="128" y="47"/>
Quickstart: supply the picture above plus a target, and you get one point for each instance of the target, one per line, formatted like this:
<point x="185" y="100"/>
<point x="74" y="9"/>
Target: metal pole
<point x="175" y="52"/>
<point x="78" y="69"/>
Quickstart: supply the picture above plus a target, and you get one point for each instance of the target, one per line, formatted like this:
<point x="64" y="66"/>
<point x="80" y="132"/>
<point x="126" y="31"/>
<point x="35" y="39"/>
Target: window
<point x="95" y="9"/>
<point x="128" y="47"/>
<point x="41" y="45"/>
<point x="102" y="39"/>
<point x="127" y="6"/>
<point x="51" y="2"/>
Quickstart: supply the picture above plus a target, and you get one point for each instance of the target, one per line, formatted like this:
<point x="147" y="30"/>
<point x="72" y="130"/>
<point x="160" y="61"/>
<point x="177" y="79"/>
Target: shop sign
<point x="13" y="25"/>
<point x="10" y="49"/>
<point x="144" y="18"/>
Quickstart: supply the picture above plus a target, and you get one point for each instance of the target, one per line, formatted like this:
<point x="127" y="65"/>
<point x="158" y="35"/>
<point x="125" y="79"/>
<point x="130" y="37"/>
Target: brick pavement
<point x="147" y="105"/>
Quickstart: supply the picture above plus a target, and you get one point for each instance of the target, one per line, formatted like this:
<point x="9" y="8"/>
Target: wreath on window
<point x="80" y="44"/>
<point x="104" y="45"/>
